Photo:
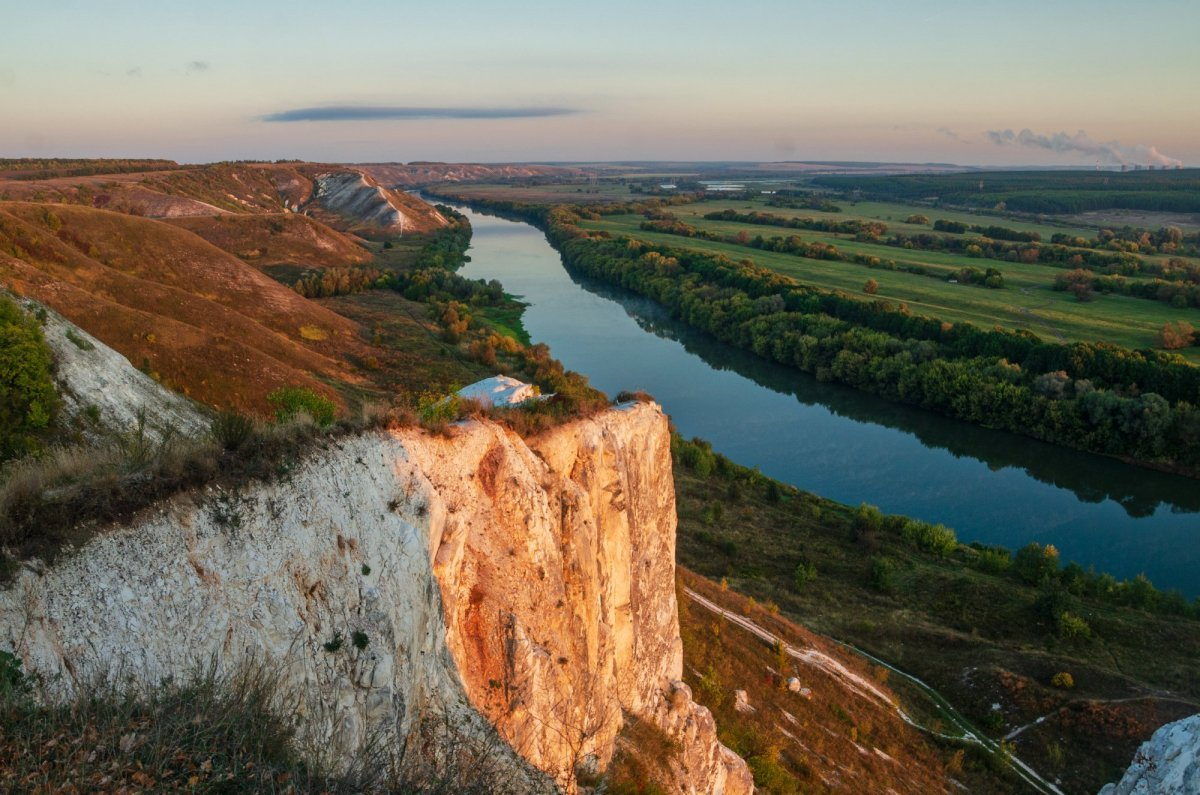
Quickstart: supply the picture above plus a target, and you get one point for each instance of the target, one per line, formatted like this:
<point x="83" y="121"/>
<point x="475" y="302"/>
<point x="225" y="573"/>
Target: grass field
<point x="1027" y="301"/>
<point x="567" y="193"/>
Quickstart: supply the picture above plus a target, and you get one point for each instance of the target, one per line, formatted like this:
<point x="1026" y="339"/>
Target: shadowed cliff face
<point x="486" y="582"/>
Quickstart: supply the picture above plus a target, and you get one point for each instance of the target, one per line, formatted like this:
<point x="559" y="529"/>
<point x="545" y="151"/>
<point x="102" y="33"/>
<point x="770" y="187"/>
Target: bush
<point x="883" y="575"/>
<point x="1035" y="564"/>
<point x="28" y="400"/>
<point x="866" y="522"/>
<point x="290" y="401"/>
<point x="934" y="538"/>
<point x="993" y="560"/>
<point x="804" y="574"/>
<point x="1062" y="680"/>
<point x="232" y="430"/>
<point x="1072" y="627"/>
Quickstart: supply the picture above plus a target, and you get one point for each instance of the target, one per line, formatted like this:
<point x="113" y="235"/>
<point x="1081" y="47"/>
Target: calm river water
<point x="989" y="486"/>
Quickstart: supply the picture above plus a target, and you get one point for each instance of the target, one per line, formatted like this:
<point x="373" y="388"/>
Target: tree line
<point x="796" y="246"/>
<point x="1133" y="404"/>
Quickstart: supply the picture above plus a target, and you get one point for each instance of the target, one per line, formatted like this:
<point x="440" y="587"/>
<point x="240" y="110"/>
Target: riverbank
<point x="991" y="634"/>
<point x="991" y="486"/>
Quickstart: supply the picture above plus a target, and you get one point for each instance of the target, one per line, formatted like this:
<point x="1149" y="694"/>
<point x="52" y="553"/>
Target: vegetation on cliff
<point x="27" y="396"/>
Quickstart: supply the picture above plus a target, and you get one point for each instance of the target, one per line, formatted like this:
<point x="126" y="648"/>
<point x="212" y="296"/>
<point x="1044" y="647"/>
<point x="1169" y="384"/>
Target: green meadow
<point x="1027" y="301"/>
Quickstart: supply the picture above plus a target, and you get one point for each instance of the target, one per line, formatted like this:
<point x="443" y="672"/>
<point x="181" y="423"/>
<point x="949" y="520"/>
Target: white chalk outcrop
<point x="1166" y="764"/>
<point x="491" y="582"/>
<point x="358" y="198"/>
<point x="500" y="390"/>
<point x="102" y="393"/>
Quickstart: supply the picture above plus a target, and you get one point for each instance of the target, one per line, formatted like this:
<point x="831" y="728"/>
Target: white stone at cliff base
<point x="1167" y="764"/>
<point x="500" y="390"/>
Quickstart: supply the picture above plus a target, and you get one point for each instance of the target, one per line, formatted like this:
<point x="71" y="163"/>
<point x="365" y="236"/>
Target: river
<point x="990" y="486"/>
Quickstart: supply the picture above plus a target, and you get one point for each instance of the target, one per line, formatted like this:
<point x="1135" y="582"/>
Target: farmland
<point x="1027" y="302"/>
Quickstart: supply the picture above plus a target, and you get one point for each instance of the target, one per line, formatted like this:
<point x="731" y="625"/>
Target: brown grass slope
<point x="277" y="239"/>
<point x="219" y="189"/>
<point x="201" y="319"/>
<point x="830" y="739"/>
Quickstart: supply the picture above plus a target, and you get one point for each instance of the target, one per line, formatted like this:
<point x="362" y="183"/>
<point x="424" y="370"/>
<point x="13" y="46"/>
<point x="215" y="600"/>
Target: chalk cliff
<point x="1166" y="764"/>
<point x="401" y="581"/>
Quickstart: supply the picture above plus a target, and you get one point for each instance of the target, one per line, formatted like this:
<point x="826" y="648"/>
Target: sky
<point x="1051" y="82"/>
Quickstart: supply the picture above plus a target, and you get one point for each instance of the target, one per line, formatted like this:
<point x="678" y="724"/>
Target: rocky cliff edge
<point x="398" y="581"/>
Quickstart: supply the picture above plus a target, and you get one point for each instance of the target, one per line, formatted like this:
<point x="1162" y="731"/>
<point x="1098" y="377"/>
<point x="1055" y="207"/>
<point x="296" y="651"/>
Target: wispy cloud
<point x="406" y="113"/>
<point x="1109" y="151"/>
<point x="195" y="67"/>
<point x="134" y="72"/>
<point x="946" y="131"/>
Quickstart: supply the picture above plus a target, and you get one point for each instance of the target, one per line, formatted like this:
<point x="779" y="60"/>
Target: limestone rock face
<point x="94" y="379"/>
<point x="358" y="198"/>
<point x="524" y="588"/>
<point x="1166" y="764"/>
<point x="556" y="561"/>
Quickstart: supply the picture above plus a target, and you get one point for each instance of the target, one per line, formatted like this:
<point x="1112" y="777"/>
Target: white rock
<point x="1166" y="764"/>
<point x="528" y="587"/>
<point x="499" y="390"/>
<point x="102" y="391"/>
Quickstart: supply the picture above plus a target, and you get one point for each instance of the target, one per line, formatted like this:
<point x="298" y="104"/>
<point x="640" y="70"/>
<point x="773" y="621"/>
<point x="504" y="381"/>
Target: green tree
<point x="1036" y="564"/>
<point x="27" y="398"/>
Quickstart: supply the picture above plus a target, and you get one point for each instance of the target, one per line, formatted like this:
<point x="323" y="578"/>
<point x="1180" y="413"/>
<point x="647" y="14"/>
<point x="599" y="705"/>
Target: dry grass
<point x="217" y="733"/>
<point x="830" y="740"/>
<point x="203" y="321"/>
<point x="72" y="492"/>
<point x="274" y="239"/>
<point x="979" y="638"/>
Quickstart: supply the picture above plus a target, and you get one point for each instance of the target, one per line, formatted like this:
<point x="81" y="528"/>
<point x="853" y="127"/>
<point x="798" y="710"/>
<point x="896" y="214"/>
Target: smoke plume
<point x="1110" y="151"/>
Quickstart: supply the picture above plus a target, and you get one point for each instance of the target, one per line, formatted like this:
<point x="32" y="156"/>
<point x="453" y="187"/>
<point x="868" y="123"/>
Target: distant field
<point x="571" y="193"/>
<point x="1188" y="222"/>
<point x="1056" y="192"/>
<point x="1026" y="302"/>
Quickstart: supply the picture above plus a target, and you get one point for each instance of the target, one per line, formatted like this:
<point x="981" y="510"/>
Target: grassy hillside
<point x="967" y="621"/>
<point x="264" y="240"/>
<point x="197" y="317"/>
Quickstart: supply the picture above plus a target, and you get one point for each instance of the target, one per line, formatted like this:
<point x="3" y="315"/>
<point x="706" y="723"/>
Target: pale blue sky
<point x="923" y="80"/>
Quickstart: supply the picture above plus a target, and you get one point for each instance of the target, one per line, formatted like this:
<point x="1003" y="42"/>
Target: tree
<point x="1035" y="564"/>
<point x="1174" y="336"/>
<point x="871" y="287"/>
<point x="27" y="397"/>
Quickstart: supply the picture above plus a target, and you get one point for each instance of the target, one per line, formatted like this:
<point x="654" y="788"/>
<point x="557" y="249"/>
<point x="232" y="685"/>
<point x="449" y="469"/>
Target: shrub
<point x="1072" y="627"/>
<point x="934" y="538"/>
<point x="1035" y="564"/>
<point x="27" y="397"/>
<point x="1062" y="680"/>
<point x="290" y="401"/>
<point x="232" y="430"/>
<point x="883" y="575"/>
<point x="994" y="560"/>
<point x="866" y="523"/>
<point x="804" y="574"/>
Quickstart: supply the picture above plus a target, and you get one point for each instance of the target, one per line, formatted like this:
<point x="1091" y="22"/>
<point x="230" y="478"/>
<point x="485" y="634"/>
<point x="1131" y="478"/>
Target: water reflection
<point x="990" y="486"/>
<point x="1093" y="479"/>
